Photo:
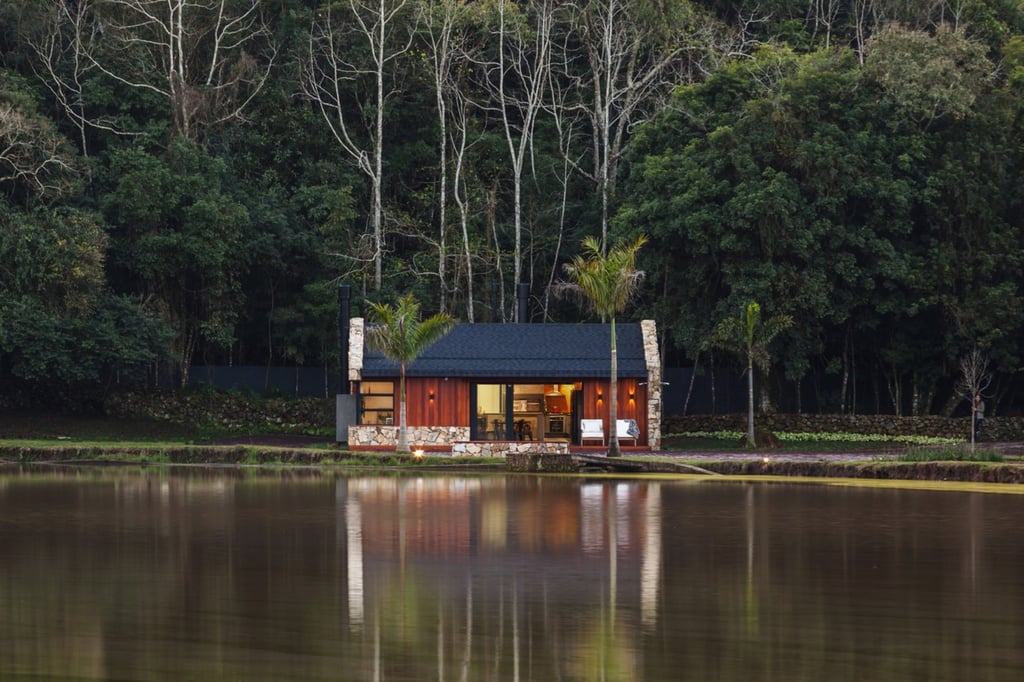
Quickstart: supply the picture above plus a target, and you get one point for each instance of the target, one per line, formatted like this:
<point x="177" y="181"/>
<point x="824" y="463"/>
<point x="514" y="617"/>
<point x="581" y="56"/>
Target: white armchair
<point x="627" y="429"/>
<point x="591" y="429"/>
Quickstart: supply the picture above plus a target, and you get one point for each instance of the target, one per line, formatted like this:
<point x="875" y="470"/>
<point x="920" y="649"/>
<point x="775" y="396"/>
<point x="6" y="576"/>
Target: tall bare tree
<point x="623" y="60"/>
<point x="353" y="46"/>
<point x="444" y="27"/>
<point x="825" y="14"/>
<point x="516" y="80"/>
<point x="207" y="58"/>
<point x="438" y="20"/>
<point x="460" y="144"/>
<point x="59" y="35"/>
<point x="33" y="154"/>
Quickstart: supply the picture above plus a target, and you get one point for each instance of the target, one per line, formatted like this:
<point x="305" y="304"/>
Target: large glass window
<point x="377" y="402"/>
<point x="524" y="411"/>
<point x="491" y="420"/>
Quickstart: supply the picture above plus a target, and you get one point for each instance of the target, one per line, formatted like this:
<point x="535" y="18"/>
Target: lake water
<point x="214" y="574"/>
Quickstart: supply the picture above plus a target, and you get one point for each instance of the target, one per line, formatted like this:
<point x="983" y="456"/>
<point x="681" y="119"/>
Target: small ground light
<point x="418" y="454"/>
<point x="766" y="460"/>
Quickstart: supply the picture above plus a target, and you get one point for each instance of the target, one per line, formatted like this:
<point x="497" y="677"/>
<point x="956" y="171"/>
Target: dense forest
<point x="187" y="182"/>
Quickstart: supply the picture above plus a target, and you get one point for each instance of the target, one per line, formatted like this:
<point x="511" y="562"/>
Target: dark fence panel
<point x="729" y="395"/>
<point x="299" y="382"/>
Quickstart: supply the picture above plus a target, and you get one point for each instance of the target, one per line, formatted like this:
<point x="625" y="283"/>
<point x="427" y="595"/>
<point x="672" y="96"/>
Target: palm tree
<point x="401" y="336"/>
<point x="605" y="283"/>
<point x="748" y="337"/>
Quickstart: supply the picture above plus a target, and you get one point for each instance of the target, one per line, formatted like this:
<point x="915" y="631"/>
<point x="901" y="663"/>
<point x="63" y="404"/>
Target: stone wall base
<point x="445" y="438"/>
<point x="506" y="448"/>
<point x="377" y="437"/>
<point x="531" y="462"/>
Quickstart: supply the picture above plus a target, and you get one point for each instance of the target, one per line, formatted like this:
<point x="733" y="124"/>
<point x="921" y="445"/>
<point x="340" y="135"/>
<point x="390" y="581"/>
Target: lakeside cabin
<point x="496" y="388"/>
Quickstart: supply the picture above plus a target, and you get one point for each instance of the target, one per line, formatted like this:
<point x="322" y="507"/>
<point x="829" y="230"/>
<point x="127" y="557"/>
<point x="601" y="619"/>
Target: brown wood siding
<point x="448" y="407"/>
<point x="450" y="404"/>
<point x="592" y="407"/>
<point x="627" y="409"/>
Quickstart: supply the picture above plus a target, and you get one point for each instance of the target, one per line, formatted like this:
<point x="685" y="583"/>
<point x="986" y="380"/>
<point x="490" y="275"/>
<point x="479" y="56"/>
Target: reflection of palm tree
<point x="650" y="570"/>
<point x="354" y="548"/>
<point x="613" y="642"/>
<point x="468" y="649"/>
<point x="613" y="556"/>
<point x="751" y="600"/>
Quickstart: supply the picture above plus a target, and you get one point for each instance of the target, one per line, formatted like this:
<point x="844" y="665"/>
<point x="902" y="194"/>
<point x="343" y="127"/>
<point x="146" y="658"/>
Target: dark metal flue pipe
<point x="523" y="297"/>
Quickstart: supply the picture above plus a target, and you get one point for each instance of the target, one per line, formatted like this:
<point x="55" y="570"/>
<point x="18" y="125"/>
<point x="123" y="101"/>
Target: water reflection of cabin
<point x="511" y="383"/>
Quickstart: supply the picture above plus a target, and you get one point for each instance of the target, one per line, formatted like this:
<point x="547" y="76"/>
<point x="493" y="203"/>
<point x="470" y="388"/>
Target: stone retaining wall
<point x="525" y="462"/>
<point x="508" y="448"/>
<point x="374" y="436"/>
<point x="229" y="410"/>
<point x="994" y="429"/>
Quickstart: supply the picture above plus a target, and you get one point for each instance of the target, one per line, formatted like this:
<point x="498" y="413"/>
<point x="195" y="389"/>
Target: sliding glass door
<point x="492" y="405"/>
<point x="542" y="411"/>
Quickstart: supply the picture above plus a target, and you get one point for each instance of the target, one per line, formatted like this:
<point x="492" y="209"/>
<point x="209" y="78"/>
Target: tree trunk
<point x="378" y="160"/>
<point x="750" y="404"/>
<point x="530" y="64"/>
<point x="846" y="374"/>
<point x="492" y="220"/>
<point x="461" y="126"/>
<point x="443" y="219"/>
<point x="714" y="393"/>
<point x="693" y="378"/>
<point x="613" y="404"/>
<point x="403" y="431"/>
<point x="853" y="382"/>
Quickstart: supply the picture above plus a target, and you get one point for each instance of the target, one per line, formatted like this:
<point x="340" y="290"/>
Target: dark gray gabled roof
<point x="554" y="351"/>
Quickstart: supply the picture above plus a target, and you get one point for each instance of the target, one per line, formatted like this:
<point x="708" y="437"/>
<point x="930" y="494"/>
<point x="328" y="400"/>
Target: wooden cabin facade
<point x="509" y="383"/>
